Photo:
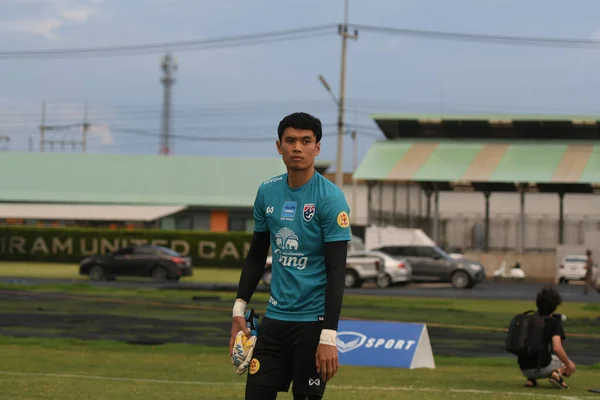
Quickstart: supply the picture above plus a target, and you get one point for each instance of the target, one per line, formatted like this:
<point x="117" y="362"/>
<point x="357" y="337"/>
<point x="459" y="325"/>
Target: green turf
<point x="44" y="369"/>
<point x="71" y="271"/>
<point x="496" y="314"/>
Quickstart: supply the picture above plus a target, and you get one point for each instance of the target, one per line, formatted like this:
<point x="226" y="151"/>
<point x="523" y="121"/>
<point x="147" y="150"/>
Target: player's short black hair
<point x="301" y="120"/>
<point x="547" y="301"/>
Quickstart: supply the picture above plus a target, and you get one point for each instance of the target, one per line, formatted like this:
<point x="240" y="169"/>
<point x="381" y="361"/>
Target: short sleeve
<point x="260" y="219"/>
<point x="335" y="218"/>
<point x="556" y="328"/>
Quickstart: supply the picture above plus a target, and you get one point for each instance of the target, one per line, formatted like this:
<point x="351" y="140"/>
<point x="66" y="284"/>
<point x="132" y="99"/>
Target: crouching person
<point x="552" y="362"/>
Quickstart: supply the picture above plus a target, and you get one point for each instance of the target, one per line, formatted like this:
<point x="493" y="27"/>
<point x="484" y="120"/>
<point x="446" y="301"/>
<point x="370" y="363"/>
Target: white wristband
<point x="328" y="336"/>
<point x="239" y="307"/>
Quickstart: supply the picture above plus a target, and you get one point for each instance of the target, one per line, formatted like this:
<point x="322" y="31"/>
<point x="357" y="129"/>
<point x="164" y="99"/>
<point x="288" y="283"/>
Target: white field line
<point x="335" y="387"/>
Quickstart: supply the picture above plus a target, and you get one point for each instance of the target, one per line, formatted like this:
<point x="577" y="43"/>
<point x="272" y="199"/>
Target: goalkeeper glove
<point x="243" y="347"/>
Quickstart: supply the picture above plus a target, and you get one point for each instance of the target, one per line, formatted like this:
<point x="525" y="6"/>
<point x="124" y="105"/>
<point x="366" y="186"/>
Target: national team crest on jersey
<point x="308" y="212"/>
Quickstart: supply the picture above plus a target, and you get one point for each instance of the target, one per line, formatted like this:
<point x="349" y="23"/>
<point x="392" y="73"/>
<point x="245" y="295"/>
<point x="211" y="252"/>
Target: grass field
<point x="42" y="369"/>
<point x="71" y="271"/>
<point x="70" y="342"/>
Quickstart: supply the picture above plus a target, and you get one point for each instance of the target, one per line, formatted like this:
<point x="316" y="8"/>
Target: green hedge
<point x="71" y="245"/>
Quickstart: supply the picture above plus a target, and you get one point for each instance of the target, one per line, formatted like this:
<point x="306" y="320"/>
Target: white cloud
<point x="45" y="27"/>
<point x="51" y="19"/>
<point x="78" y="14"/>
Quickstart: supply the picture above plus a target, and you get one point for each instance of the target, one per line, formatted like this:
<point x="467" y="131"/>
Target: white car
<point x="395" y="269"/>
<point x="572" y="268"/>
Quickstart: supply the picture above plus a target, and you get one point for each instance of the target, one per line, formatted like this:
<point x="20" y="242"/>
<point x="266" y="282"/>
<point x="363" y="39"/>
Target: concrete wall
<point x="536" y="266"/>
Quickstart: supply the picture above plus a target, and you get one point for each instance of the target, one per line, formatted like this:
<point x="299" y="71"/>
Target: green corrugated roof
<point x="484" y="117"/>
<point x="482" y="161"/>
<point x="137" y="179"/>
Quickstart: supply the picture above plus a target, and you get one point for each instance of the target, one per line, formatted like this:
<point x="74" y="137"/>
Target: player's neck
<point x="297" y="178"/>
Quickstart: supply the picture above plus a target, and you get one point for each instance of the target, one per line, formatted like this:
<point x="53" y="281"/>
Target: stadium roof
<point x="503" y="162"/>
<point x="488" y="126"/>
<point x="86" y="212"/>
<point x="134" y="179"/>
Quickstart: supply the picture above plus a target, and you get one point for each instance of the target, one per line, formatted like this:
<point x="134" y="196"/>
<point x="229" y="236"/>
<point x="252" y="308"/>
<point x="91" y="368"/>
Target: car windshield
<point x="441" y="252"/>
<point x="575" y="259"/>
<point x="168" y="251"/>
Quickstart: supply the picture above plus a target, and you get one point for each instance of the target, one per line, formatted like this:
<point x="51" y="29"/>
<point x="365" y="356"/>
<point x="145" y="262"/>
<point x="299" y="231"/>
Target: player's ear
<point x="318" y="147"/>
<point x="278" y="144"/>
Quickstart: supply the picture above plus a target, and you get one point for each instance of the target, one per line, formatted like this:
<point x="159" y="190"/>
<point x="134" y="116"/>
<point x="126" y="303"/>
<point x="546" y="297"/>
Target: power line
<point x="180" y="46"/>
<point x="193" y="138"/>
<point x="483" y="38"/>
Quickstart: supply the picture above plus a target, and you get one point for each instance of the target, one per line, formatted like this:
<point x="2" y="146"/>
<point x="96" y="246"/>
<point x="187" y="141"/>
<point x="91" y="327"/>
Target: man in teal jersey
<point x="304" y="217"/>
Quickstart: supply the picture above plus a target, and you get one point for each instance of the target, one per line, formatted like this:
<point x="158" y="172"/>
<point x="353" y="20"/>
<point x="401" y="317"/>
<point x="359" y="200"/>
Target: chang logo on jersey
<point x="287" y="253"/>
<point x="348" y="341"/>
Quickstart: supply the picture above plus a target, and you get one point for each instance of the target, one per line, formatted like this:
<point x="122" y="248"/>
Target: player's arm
<point x="335" y="263"/>
<point x="335" y="225"/>
<point x="254" y="265"/>
<point x="253" y="269"/>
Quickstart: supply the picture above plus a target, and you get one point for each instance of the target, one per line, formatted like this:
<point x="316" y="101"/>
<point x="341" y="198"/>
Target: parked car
<point x="395" y="269"/>
<point x="430" y="263"/>
<point x="158" y="262"/>
<point x="359" y="269"/>
<point x="572" y="268"/>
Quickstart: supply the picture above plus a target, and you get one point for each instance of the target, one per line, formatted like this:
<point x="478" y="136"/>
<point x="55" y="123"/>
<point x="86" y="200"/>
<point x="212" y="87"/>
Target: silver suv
<point x="432" y="264"/>
<point x="359" y="269"/>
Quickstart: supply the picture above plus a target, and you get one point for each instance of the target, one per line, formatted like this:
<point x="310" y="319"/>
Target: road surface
<point x="486" y="290"/>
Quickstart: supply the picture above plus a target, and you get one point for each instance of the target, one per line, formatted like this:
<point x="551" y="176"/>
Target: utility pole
<point x="6" y="140"/>
<point x="43" y="127"/>
<point x="169" y="66"/>
<point x="343" y="31"/>
<point x="85" y="127"/>
<point x="62" y="142"/>
<point x="354" y="166"/>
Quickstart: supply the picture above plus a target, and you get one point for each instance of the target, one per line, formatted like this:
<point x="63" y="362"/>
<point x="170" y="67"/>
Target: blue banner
<point x="384" y="344"/>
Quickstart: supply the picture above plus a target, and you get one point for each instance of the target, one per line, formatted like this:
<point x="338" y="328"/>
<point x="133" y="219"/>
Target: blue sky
<point x="245" y="91"/>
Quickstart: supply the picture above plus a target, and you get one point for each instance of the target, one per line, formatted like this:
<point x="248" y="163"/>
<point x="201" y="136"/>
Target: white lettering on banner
<point x="83" y="248"/>
<point x="246" y="249"/>
<point x="135" y="242"/>
<point x="389" y="343"/>
<point x="108" y="247"/>
<point x="230" y="250"/>
<point x="185" y="247"/>
<point x="39" y="246"/>
<point x="16" y="243"/>
<point x="348" y="341"/>
<point x="202" y="252"/>
<point x="88" y="246"/>
<point x="66" y="246"/>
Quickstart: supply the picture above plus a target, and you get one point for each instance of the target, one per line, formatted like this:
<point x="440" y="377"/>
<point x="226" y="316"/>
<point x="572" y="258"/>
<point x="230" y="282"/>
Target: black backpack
<point x="525" y="335"/>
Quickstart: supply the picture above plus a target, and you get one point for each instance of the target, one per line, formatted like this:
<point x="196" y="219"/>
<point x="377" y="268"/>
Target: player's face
<point x="298" y="148"/>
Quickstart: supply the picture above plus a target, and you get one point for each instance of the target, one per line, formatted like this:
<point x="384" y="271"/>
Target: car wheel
<point x="266" y="278"/>
<point x="461" y="280"/>
<point x="351" y="279"/>
<point x="384" y="281"/>
<point x="563" y="281"/>
<point x="96" y="273"/>
<point x="159" y="274"/>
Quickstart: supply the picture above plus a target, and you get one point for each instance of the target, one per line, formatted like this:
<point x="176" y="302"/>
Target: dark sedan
<point x="157" y="262"/>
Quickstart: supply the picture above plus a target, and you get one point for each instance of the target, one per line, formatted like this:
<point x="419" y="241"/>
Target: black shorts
<point x="285" y="352"/>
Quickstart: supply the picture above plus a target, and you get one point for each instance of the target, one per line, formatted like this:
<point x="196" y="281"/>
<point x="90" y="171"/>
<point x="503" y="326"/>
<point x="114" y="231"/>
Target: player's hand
<point x="327" y="361"/>
<point x="237" y="324"/>
<point x="571" y="367"/>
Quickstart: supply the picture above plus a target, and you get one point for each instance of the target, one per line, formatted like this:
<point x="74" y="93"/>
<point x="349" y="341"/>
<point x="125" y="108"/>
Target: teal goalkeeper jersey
<point x="300" y="221"/>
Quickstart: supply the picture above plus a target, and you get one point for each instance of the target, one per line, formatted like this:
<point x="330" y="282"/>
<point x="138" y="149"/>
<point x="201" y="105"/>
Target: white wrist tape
<point x="239" y="307"/>
<point x="328" y="336"/>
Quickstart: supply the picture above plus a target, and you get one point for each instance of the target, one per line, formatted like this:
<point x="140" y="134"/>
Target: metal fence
<point x="468" y="231"/>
